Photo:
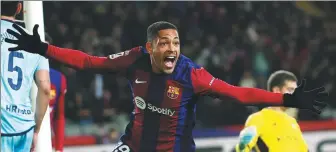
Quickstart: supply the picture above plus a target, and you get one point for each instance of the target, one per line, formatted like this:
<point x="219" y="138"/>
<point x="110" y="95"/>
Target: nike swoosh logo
<point x="137" y="81"/>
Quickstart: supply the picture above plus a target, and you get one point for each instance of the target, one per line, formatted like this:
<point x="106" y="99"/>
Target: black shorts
<point x="121" y="147"/>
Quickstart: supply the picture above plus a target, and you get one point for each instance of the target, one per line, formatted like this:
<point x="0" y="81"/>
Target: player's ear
<point x="149" y="47"/>
<point x="18" y="8"/>
<point x="276" y="90"/>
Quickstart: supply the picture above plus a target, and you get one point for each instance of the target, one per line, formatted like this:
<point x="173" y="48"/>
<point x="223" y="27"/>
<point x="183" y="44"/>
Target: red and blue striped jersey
<point x="164" y="105"/>
<point x="56" y="106"/>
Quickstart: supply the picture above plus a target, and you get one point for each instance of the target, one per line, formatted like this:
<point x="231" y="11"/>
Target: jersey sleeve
<point x="205" y="84"/>
<point x="59" y="124"/>
<point x="43" y="64"/>
<point x="80" y="60"/>
<point x="248" y="137"/>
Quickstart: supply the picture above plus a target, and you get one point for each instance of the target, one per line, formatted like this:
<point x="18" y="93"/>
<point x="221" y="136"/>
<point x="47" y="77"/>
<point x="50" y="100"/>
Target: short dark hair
<point x="8" y="8"/>
<point x="153" y="29"/>
<point x="278" y="79"/>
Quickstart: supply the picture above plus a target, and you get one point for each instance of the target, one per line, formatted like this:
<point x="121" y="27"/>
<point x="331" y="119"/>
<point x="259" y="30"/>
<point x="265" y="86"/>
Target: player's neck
<point x="155" y="69"/>
<point x="278" y="108"/>
<point x="8" y="17"/>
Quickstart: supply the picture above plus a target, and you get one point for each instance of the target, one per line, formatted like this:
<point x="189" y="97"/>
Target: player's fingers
<point x="11" y="32"/>
<point x="302" y="85"/>
<point x="15" y="49"/>
<point x="318" y="107"/>
<point x="35" y="32"/>
<point x="322" y="95"/>
<point x="320" y="104"/>
<point x="316" y="111"/>
<point x="317" y="90"/>
<point x="11" y="41"/>
<point x="19" y="29"/>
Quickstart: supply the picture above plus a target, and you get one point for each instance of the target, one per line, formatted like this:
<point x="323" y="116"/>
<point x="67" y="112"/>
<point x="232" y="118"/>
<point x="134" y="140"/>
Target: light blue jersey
<point x="17" y="76"/>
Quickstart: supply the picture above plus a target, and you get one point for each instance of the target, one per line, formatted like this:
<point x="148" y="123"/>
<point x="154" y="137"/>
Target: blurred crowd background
<point x="241" y="43"/>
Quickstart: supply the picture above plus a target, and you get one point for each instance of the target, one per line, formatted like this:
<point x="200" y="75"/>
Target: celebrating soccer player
<point x="271" y="129"/>
<point x="165" y="87"/>
<point x="19" y="69"/>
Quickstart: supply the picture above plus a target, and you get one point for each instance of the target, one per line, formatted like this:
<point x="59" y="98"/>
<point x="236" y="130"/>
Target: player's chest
<point x="281" y="131"/>
<point x="159" y="91"/>
<point x="280" y="140"/>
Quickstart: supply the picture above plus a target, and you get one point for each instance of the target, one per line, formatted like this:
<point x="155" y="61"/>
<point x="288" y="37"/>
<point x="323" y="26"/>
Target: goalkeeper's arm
<point x="249" y="135"/>
<point x="247" y="139"/>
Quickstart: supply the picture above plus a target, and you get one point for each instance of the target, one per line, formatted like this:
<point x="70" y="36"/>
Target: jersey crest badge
<point x="173" y="92"/>
<point x="52" y="94"/>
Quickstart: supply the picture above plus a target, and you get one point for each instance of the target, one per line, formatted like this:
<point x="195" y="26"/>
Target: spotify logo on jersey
<point x="140" y="103"/>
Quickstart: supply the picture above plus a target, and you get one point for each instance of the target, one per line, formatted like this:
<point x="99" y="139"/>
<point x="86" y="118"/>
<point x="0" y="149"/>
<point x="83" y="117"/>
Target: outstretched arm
<point x="248" y="137"/>
<point x="205" y="84"/>
<point x="80" y="60"/>
<point x="73" y="58"/>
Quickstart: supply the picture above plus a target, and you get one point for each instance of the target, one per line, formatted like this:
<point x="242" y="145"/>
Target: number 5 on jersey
<point x="13" y="68"/>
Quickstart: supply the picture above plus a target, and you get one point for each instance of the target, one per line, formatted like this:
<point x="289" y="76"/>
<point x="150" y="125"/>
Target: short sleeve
<point x="43" y="64"/>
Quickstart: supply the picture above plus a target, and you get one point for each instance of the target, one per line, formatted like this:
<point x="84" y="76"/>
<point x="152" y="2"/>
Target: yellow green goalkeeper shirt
<point x="270" y="130"/>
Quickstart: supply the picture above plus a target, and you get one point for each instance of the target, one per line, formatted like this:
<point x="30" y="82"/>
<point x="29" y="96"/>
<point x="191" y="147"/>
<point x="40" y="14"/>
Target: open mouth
<point x="169" y="61"/>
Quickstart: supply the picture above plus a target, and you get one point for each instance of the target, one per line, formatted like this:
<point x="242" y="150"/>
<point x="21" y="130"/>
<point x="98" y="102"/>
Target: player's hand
<point x="311" y="100"/>
<point x="33" y="146"/>
<point x="27" y="42"/>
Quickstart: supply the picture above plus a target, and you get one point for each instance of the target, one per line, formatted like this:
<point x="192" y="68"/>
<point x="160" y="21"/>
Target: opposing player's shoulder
<point x="254" y="118"/>
<point x="8" y="24"/>
<point x="292" y="120"/>
<point x="136" y="51"/>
